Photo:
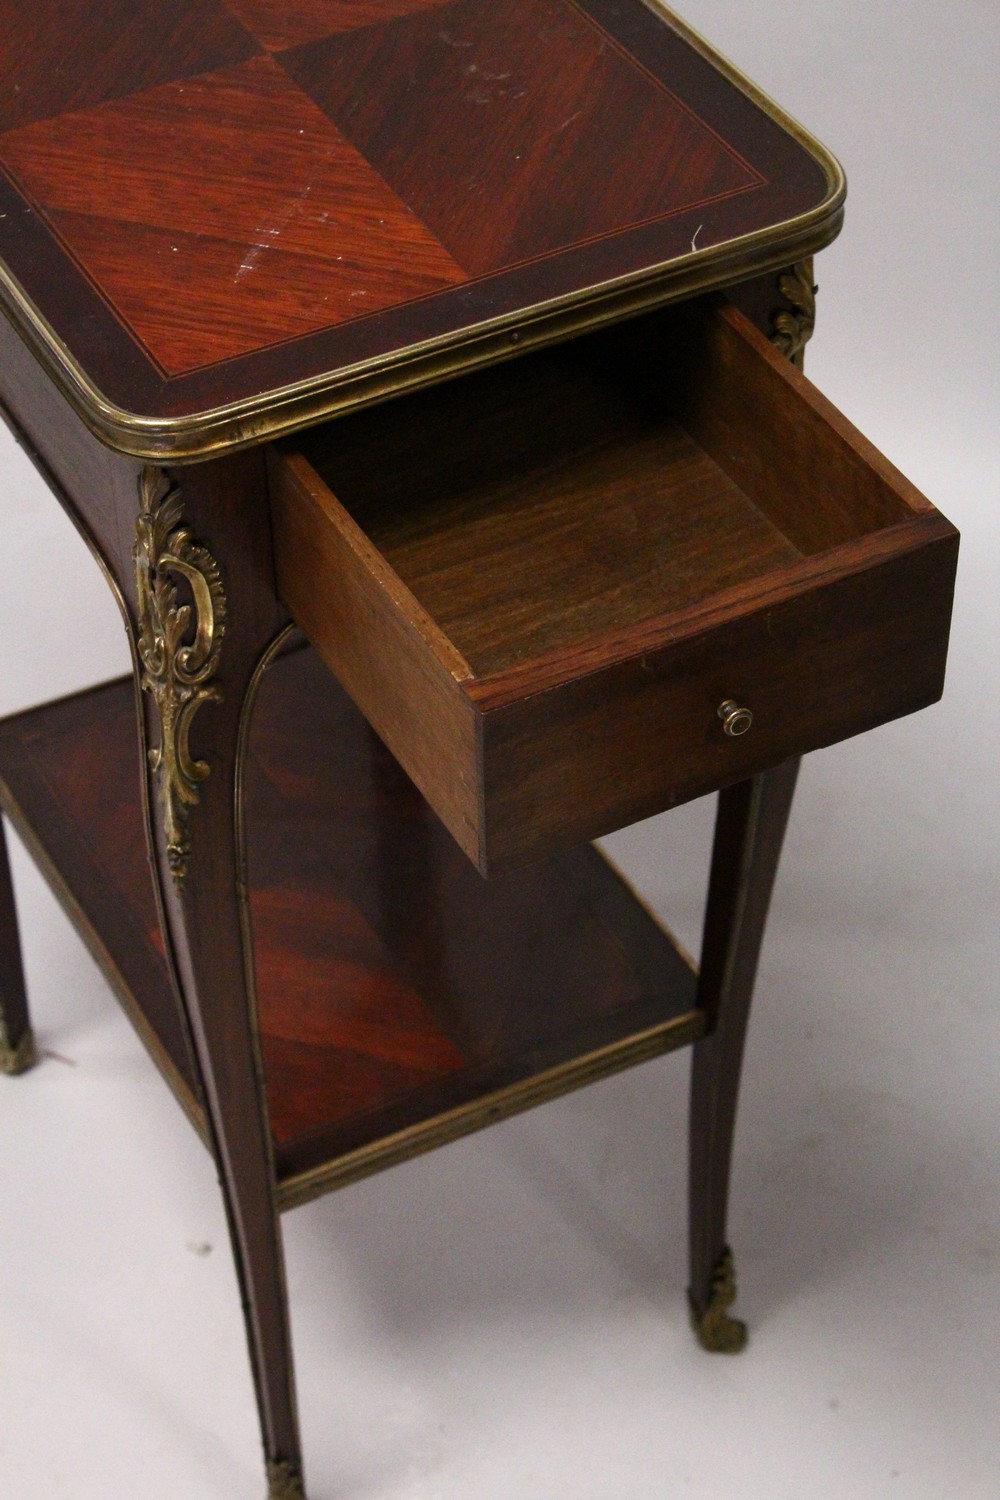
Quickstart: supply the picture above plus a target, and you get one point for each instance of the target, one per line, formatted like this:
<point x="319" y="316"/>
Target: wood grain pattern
<point x="287" y="190"/>
<point x="277" y="24"/>
<point x="744" y="403"/>
<point x="356" y="612"/>
<point x="835" y="656"/>
<point x="60" y="56"/>
<point x="572" y="506"/>
<point x="490" y="981"/>
<point x="610" y="583"/>
<point x="542" y="114"/>
<point x="749" y="831"/>
<point x="393" y="983"/>
<point x="242" y="244"/>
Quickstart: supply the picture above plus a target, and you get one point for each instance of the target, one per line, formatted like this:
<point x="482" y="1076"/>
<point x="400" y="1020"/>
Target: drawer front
<point x="540" y="584"/>
<point x="625" y="741"/>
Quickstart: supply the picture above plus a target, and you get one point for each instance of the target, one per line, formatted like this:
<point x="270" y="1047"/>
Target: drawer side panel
<point x="398" y="668"/>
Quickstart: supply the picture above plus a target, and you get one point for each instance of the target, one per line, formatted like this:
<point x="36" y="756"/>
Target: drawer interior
<point x="567" y="495"/>
<point x="541" y="582"/>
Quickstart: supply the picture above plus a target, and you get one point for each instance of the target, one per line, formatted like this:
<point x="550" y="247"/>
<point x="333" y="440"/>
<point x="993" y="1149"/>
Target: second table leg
<point x="750" y="828"/>
<point x="17" y="1046"/>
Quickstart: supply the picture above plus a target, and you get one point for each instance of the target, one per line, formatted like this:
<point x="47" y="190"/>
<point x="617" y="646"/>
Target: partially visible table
<point x="423" y="377"/>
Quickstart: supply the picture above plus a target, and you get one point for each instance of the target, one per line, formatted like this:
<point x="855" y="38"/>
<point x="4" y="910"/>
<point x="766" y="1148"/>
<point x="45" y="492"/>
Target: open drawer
<point x="583" y="586"/>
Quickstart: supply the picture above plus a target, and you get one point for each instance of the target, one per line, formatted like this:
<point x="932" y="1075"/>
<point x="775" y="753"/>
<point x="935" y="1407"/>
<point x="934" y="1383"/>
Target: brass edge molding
<point x="834" y="172"/>
<point x="669" y="1036"/>
<point x="20" y="1056"/>
<point x="715" y="1330"/>
<point x="288" y="409"/>
<point x="279" y="412"/>
<point x="284" y="1481"/>
<point x="793" y="327"/>
<point x="176" y="670"/>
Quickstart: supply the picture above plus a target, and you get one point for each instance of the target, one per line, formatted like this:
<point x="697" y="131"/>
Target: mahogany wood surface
<point x="361" y="612"/>
<point x="393" y="982"/>
<point x="495" y="74"/>
<point x="788" y="448"/>
<point x="631" y="530"/>
<point x="750" y="829"/>
<point x="209" y="200"/>
<point x="570" y="504"/>
<point x="398" y="993"/>
<point x="205" y="919"/>
<point x="265" y="208"/>
<point x="95" y="486"/>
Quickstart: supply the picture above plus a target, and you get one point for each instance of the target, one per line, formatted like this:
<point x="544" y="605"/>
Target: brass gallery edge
<point x="278" y="412"/>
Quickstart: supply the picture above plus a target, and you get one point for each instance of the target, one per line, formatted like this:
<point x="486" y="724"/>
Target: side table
<point x="424" y="379"/>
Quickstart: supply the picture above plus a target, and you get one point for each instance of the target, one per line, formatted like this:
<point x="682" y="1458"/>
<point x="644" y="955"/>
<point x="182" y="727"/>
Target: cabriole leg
<point x="17" y="1045"/>
<point x="750" y="827"/>
<point x="205" y="616"/>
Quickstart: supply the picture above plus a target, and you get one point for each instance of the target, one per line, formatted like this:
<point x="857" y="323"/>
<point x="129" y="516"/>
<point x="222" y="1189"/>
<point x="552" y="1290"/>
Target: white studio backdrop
<point x="506" y="1317"/>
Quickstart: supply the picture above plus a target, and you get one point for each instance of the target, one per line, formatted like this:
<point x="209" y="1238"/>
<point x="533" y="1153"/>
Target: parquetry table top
<point x="223" y="218"/>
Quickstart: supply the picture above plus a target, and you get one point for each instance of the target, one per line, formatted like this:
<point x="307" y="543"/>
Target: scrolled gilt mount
<point x="179" y="647"/>
<point x="715" y="1330"/>
<point x="793" y="327"/>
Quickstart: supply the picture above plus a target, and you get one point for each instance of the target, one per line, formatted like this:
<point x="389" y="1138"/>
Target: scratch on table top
<point x="265" y="238"/>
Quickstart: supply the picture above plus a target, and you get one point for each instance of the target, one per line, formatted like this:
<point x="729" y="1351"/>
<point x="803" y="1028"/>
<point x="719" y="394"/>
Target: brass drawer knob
<point x="735" y="720"/>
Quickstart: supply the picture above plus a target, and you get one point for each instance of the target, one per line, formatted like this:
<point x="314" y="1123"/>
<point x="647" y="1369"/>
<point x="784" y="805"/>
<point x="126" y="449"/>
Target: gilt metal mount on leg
<point x="17" y="1057"/>
<point x="179" y="647"/>
<point x="715" y="1330"/>
<point x="284" y="1482"/>
<point x="750" y="826"/>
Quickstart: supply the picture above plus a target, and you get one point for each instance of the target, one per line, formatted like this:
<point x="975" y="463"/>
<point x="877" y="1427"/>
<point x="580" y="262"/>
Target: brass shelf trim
<point x="669" y="1036"/>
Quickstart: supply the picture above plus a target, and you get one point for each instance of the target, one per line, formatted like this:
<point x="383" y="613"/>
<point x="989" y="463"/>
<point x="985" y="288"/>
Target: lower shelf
<point x="403" y="1000"/>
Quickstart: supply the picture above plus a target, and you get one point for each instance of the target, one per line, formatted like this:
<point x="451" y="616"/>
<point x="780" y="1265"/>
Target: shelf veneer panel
<point x="69" y="782"/>
<point x="403" y="1000"/>
<point x="488" y="984"/>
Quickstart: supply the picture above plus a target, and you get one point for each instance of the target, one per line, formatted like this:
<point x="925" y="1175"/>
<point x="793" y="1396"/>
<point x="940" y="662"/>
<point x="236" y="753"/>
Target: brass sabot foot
<point x="284" y="1482"/>
<point x="20" y="1058"/>
<point x="715" y="1330"/>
